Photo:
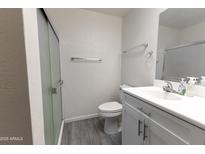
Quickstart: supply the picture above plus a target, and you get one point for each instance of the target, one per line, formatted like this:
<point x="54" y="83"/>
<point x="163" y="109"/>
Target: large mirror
<point x="181" y="44"/>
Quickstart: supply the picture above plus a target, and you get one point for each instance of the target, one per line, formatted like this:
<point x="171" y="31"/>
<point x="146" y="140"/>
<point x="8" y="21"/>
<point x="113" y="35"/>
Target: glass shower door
<point x="51" y="79"/>
<point x="43" y="34"/>
<point x="56" y="82"/>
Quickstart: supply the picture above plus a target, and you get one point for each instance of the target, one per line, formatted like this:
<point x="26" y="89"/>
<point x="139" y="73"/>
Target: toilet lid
<point x="110" y="107"/>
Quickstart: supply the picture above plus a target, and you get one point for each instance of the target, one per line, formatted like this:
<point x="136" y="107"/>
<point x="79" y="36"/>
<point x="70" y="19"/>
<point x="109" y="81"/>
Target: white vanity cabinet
<point x="144" y="123"/>
<point x="132" y="126"/>
<point x="159" y="135"/>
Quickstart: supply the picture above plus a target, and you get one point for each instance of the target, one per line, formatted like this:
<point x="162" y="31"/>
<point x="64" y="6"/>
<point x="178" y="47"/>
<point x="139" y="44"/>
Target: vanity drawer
<point x="189" y="133"/>
<point x="133" y="101"/>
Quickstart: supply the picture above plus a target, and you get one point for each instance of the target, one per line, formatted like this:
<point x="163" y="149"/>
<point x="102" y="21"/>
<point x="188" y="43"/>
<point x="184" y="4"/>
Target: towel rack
<point x="145" y="45"/>
<point x="79" y="59"/>
<point x="186" y="45"/>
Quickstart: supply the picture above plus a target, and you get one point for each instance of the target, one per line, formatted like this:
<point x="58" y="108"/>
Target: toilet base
<point x="112" y="125"/>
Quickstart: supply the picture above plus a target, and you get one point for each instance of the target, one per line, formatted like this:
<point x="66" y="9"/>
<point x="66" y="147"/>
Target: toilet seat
<point x="110" y="107"/>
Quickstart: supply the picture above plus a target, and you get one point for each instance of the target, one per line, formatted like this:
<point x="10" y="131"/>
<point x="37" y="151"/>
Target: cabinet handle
<point x="139" y="128"/>
<point x="144" y="132"/>
<point x="140" y="108"/>
<point x="148" y="114"/>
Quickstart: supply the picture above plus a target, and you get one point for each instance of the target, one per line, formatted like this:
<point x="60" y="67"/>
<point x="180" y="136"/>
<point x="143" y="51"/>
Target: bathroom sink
<point x="156" y="93"/>
<point x="160" y="94"/>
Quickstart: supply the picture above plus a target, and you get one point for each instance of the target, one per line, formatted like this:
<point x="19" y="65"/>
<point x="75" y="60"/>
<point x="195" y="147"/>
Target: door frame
<point x="30" y="27"/>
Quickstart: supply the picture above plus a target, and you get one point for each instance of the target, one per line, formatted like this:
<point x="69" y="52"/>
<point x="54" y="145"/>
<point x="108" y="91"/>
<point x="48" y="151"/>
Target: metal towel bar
<point x="186" y="45"/>
<point x="78" y="59"/>
<point x="145" y="45"/>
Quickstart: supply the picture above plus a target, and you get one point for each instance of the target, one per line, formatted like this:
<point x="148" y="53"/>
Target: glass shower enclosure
<point x="51" y="78"/>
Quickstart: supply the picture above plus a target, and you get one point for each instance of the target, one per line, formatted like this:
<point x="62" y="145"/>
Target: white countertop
<point x="191" y="109"/>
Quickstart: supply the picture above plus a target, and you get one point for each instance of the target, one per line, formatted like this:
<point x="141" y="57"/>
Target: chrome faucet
<point x="168" y="87"/>
<point x="181" y="89"/>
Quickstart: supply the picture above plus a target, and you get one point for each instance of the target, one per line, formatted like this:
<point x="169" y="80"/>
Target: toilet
<point x="111" y="112"/>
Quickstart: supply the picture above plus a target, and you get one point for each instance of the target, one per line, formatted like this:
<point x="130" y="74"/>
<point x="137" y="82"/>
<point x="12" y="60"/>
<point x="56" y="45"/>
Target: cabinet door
<point x="156" y="134"/>
<point x="132" y="127"/>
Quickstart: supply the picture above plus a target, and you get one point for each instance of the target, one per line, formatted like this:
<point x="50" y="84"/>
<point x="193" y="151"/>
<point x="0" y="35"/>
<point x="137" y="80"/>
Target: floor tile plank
<point x="88" y="132"/>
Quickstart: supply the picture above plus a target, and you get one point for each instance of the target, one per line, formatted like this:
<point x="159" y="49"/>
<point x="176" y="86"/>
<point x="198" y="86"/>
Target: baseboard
<point x="61" y="132"/>
<point x="78" y="118"/>
<point x="67" y="120"/>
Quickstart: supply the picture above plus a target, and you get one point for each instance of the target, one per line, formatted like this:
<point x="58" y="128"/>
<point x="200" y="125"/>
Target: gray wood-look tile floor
<point x="88" y="132"/>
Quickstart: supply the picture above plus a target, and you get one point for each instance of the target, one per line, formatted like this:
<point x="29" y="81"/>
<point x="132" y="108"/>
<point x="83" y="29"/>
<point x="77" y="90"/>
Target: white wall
<point x="85" y="33"/>
<point x="168" y="37"/>
<point x="193" y="33"/>
<point x="139" y="26"/>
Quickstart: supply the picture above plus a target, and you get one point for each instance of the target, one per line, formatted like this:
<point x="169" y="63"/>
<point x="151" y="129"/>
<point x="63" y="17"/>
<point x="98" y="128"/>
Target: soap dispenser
<point x="182" y="87"/>
<point x="202" y="81"/>
<point x="191" y="86"/>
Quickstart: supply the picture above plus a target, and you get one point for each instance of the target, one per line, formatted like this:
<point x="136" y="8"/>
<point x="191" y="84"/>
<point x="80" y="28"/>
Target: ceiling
<point x="111" y="11"/>
<point x="182" y="17"/>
